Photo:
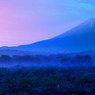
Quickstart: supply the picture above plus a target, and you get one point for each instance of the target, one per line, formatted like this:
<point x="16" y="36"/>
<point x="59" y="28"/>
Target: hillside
<point x="79" y="38"/>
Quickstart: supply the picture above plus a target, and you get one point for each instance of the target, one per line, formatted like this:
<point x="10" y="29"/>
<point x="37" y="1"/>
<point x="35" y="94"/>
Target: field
<point x="47" y="81"/>
<point x="47" y="75"/>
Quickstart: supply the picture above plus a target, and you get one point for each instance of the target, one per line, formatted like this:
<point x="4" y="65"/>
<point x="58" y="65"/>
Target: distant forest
<point x="44" y="58"/>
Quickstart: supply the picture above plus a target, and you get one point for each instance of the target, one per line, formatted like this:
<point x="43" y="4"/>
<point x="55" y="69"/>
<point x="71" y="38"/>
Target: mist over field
<point x="53" y="74"/>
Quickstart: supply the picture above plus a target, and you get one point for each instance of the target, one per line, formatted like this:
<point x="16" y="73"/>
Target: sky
<point x="28" y="21"/>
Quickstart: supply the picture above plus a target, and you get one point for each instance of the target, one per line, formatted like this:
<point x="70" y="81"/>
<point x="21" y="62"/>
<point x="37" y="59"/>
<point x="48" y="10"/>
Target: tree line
<point x="61" y="58"/>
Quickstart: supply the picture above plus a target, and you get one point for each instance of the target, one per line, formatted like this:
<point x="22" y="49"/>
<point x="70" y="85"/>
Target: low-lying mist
<point x="47" y="75"/>
<point x="44" y="61"/>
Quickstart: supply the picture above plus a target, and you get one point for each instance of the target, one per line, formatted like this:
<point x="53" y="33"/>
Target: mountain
<point x="79" y="38"/>
<point x="11" y="52"/>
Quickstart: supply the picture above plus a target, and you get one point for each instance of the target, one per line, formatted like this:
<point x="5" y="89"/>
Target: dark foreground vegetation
<point x="48" y="81"/>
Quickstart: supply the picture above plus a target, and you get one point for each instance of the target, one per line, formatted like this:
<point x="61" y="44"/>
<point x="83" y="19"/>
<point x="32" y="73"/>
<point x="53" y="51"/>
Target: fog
<point x="38" y="65"/>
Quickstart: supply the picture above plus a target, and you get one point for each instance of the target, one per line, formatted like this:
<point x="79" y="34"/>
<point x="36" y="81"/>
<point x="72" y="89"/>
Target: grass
<point x="47" y="81"/>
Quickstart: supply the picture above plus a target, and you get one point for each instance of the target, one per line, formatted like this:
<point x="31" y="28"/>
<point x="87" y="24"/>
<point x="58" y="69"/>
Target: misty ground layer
<point x="43" y="61"/>
<point x="47" y="75"/>
<point x="48" y="81"/>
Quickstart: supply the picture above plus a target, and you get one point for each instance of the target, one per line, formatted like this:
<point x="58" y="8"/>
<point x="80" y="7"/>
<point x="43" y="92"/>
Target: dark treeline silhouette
<point x="44" y="58"/>
<point x="77" y="58"/>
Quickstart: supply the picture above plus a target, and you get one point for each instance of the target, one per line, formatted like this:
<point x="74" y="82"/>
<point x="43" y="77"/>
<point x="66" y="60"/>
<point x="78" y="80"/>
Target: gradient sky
<point x="28" y="21"/>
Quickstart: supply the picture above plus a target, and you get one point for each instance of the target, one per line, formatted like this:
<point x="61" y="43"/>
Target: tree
<point x="5" y="58"/>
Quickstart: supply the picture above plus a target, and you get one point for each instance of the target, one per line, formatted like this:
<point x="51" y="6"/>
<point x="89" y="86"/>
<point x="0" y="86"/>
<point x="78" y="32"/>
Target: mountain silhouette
<point x="79" y="38"/>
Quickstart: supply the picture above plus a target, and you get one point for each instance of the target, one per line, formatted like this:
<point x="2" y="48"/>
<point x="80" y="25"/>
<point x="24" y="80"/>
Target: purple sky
<point x="28" y="21"/>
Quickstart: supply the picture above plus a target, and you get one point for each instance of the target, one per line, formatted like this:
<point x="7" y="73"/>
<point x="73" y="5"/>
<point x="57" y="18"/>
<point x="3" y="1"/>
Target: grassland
<point x="47" y="81"/>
